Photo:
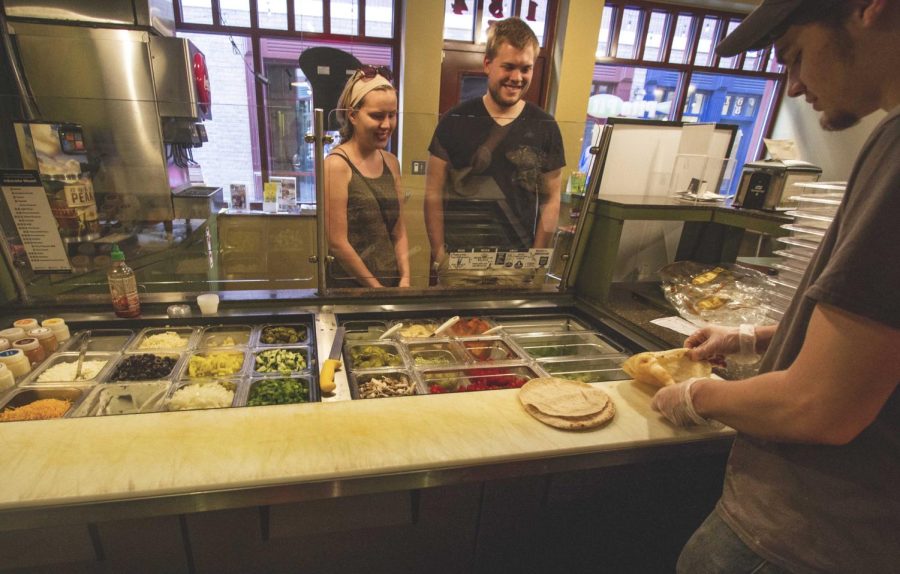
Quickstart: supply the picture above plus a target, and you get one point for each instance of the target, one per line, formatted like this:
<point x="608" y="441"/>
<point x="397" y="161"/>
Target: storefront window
<point x="655" y="91"/>
<point x="235" y="12"/>
<point x="344" y="17"/>
<point x="272" y="14"/>
<point x="197" y="11"/>
<point x="656" y="36"/>
<point x="308" y="16"/>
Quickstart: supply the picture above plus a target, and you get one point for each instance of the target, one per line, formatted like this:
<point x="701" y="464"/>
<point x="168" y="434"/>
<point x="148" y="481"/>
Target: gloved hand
<point x="675" y="403"/>
<point x="714" y="342"/>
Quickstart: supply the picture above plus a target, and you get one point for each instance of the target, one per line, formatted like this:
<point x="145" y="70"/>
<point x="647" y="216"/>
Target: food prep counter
<point x="90" y="468"/>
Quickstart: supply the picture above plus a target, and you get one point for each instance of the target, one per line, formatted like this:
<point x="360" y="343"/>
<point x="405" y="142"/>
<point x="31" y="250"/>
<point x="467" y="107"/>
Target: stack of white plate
<point x="814" y="214"/>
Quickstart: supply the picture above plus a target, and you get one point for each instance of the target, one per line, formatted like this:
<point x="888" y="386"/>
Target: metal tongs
<point x="85" y="340"/>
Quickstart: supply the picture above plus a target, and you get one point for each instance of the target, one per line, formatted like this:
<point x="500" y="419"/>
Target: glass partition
<point x="484" y="203"/>
<point x="488" y="212"/>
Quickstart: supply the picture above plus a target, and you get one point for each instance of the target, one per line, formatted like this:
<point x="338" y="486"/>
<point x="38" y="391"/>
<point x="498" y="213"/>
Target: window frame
<point x="255" y="33"/>
<point x="689" y="68"/>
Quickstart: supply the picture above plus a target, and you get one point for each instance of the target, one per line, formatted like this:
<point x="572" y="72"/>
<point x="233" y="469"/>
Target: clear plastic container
<point x="102" y="340"/>
<point x="283" y="360"/>
<point x="587" y="370"/>
<point x="225" y="336"/>
<point x="385" y="383"/>
<point x="276" y="390"/>
<point x="208" y="363"/>
<point x="488" y="349"/>
<point x="549" y="324"/>
<point x="439" y="381"/>
<point x="436" y="354"/>
<point x="22" y="397"/>
<point x="799" y="244"/>
<point x="364" y="330"/>
<point x="137" y="367"/>
<point x="123" y="399"/>
<point x="164" y="339"/>
<point x="61" y="367"/>
<point x="203" y="394"/>
<point x="587" y="344"/>
<point x="416" y="328"/>
<point x="283" y="334"/>
<point x="371" y="355"/>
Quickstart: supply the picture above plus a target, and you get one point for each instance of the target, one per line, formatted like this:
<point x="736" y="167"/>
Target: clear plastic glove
<point x="676" y="404"/>
<point x="713" y="343"/>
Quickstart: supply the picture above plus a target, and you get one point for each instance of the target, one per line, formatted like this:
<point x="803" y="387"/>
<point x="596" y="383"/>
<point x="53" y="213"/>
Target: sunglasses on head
<point x="368" y="72"/>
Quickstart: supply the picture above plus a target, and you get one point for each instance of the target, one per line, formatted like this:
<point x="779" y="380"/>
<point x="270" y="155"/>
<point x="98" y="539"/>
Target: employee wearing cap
<point x="813" y="480"/>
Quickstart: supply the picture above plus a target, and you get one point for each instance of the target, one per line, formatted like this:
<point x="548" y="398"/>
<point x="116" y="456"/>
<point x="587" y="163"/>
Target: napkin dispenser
<point x="768" y="184"/>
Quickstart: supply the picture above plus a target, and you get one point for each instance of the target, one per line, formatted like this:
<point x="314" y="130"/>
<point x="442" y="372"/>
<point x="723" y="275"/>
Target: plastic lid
<point x="25" y="323"/>
<point x="116" y="253"/>
<point x="13" y="333"/>
<point x="41" y="333"/>
<point x="54" y="322"/>
<point x="26" y="344"/>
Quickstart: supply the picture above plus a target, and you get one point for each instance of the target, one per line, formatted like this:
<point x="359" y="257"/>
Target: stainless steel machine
<point x="138" y="93"/>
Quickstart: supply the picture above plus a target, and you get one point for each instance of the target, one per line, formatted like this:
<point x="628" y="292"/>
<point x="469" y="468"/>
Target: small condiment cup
<point x="209" y="303"/>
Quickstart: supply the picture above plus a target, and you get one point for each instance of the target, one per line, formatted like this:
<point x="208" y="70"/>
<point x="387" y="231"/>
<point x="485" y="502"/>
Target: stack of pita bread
<point x="566" y="404"/>
<point x="663" y="368"/>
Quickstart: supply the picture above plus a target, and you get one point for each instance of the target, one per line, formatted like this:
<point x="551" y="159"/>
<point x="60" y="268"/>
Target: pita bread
<point x="562" y="397"/>
<point x="664" y="368"/>
<point x="566" y="404"/>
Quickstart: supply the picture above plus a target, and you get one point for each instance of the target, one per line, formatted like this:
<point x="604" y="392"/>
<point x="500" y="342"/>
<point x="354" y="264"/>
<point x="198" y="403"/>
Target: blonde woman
<point x="365" y="228"/>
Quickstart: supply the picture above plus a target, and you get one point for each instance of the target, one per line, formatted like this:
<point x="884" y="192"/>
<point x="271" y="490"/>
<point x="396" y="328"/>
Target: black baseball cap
<point x="759" y="28"/>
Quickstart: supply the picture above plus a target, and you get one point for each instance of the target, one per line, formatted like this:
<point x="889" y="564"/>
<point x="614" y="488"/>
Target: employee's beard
<point x="839" y="120"/>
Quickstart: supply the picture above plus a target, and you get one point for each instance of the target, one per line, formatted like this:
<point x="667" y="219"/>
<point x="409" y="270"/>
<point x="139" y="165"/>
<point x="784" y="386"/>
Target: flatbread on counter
<point x="566" y="404"/>
<point x="664" y="368"/>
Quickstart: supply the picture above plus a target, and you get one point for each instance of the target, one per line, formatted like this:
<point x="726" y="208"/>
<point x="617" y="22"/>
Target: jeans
<point x="716" y="549"/>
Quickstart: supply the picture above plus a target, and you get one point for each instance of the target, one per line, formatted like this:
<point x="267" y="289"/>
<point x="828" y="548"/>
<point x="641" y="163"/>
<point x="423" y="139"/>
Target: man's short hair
<point x="515" y="32"/>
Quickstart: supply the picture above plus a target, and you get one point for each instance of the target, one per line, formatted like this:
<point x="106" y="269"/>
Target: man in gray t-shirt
<point x="813" y="480"/>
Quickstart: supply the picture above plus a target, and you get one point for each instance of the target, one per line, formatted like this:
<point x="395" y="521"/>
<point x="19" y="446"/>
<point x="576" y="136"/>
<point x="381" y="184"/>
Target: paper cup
<point x="208" y="302"/>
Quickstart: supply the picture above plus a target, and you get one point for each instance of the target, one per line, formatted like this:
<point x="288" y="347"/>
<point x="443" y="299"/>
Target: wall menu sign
<point x="28" y="205"/>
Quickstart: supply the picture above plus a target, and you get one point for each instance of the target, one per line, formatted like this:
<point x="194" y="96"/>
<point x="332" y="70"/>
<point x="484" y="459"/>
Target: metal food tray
<point x="24" y="396"/>
<point x="491" y="349"/>
<point x="187" y="333"/>
<point x="454" y="378"/>
<point x="436" y="348"/>
<point x="123" y="399"/>
<point x="236" y="385"/>
<point x="173" y="374"/>
<point x="429" y="323"/>
<point x="359" y="330"/>
<point x="395" y="348"/>
<point x="543" y="345"/>
<point x="358" y="378"/>
<point x="71" y="357"/>
<point x="302" y="349"/>
<point x="214" y="335"/>
<point x="453" y="330"/>
<point x="101" y="340"/>
<point x="594" y="370"/>
<point x="245" y="361"/>
<point x="304" y="340"/>
<point x="550" y="324"/>
<point x="309" y="381"/>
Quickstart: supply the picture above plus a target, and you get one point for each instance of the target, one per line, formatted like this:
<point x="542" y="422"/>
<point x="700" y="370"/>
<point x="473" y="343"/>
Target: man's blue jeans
<point x="716" y="549"/>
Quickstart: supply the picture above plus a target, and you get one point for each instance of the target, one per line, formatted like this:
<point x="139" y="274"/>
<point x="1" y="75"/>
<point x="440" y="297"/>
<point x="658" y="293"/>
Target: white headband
<point x="364" y="86"/>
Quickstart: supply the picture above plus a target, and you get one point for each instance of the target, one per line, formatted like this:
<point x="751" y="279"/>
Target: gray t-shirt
<point x="814" y="508"/>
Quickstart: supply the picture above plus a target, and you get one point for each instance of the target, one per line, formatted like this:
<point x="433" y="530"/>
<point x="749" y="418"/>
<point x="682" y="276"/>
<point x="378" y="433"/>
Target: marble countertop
<point x="107" y="459"/>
